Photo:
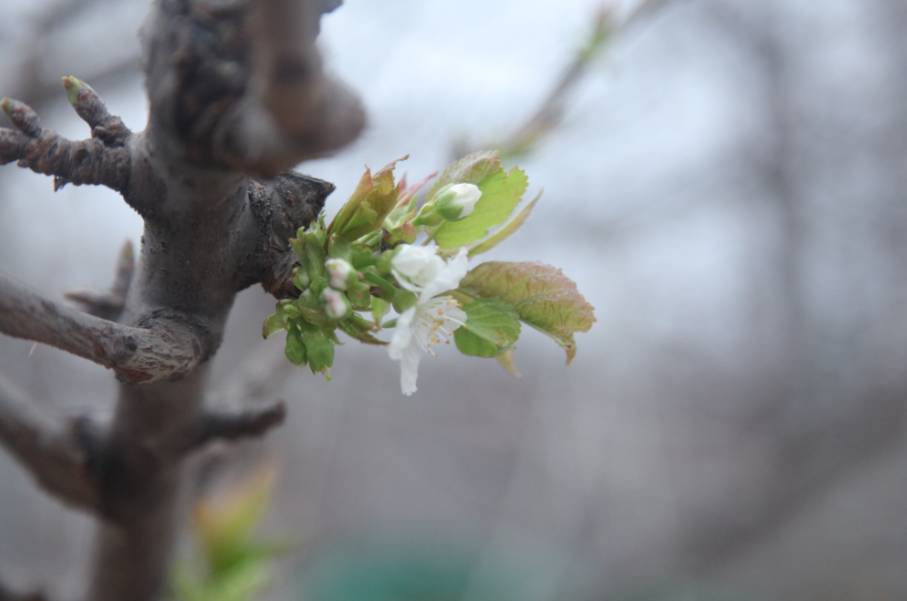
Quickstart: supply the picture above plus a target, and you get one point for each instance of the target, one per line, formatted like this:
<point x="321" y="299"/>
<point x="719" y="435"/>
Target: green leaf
<point x="313" y="260"/>
<point x="356" y="326"/>
<point x="507" y="361"/>
<point x="273" y="323"/>
<point x="319" y="348"/>
<point x="225" y="524"/>
<point x="506" y="230"/>
<point x="374" y="197"/>
<point x="294" y="349"/>
<point x="542" y="295"/>
<point x="491" y="328"/>
<point x="244" y="582"/>
<point x="471" y="169"/>
<point x="380" y="308"/>
<point x="501" y="193"/>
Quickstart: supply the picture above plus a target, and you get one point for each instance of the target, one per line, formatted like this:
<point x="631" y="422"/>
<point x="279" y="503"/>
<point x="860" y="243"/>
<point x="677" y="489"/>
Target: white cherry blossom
<point x="434" y="317"/>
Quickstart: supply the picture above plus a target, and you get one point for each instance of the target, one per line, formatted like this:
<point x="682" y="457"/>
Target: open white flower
<point x="433" y="319"/>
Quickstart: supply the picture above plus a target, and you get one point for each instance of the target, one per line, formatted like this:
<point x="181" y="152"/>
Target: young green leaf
<point x="294" y="349"/>
<point x="471" y="169"/>
<point x="506" y="230"/>
<point x="225" y="525"/>
<point x="491" y="328"/>
<point x="501" y="193"/>
<point x="273" y="323"/>
<point x="542" y="295"/>
<point x="374" y="197"/>
<point x="319" y="348"/>
<point x="356" y="326"/>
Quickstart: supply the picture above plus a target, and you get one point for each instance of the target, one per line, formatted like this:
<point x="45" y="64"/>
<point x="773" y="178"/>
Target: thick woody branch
<point x="280" y="207"/>
<point x="311" y="113"/>
<point x="47" y="448"/>
<point x="243" y="410"/>
<point x="110" y="305"/>
<point x="105" y="159"/>
<point x="166" y="346"/>
<point x="240" y="85"/>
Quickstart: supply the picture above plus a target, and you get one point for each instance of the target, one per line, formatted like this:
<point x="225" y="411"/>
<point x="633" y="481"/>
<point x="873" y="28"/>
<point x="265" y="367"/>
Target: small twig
<point x="104" y="159"/>
<point x="263" y="374"/>
<point x="47" y="448"/>
<point x="110" y="305"/>
<point x="44" y="87"/>
<point x="219" y="425"/>
<point x="167" y="345"/>
<point x="549" y="113"/>
<point x="60" y="13"/>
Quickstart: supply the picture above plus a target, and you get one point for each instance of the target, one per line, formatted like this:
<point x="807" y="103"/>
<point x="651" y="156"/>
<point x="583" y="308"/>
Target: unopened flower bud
<point x="457" y="201"/>
<point x="452" y="203"/>
<point x="339" y="273"/>
<point x="336" y="305"/>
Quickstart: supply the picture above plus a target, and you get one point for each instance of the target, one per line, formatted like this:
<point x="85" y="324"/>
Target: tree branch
<point x="220" y="425"/>
<point x="247" y="90"/>
<point x="110" y="305"/>
<point x="549" y="113"/>
<point x="167" y="346"/>
<point x="105" y="159"/>
<point x="313" y="113"/>
<point x="281" y="206"/>
<point x="47" y="448"/>
<point x="233" y="92"/>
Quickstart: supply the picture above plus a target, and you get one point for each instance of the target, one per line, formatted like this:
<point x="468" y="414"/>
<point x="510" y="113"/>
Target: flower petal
<point x="409" y="369"/>
<point x="447" y="278"/>
<point x="403" y="335"/>
<point x="417" y="265"/>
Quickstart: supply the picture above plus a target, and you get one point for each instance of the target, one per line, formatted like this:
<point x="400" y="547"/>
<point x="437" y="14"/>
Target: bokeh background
<point x="727" y="188"/>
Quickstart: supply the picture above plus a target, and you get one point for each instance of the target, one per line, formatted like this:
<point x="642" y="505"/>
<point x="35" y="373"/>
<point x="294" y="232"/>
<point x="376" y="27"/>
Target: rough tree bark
<point x="237" y="96"/>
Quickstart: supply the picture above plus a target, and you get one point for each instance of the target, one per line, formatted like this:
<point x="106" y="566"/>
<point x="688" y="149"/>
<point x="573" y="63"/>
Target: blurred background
<point x="727" y="187"/>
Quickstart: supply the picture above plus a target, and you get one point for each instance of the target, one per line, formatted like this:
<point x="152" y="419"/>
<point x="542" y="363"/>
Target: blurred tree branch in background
<point x="606" y="26"/>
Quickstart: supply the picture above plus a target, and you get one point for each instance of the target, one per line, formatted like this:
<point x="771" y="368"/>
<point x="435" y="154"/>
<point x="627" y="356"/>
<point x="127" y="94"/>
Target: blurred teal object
<point x="419" y="572"/>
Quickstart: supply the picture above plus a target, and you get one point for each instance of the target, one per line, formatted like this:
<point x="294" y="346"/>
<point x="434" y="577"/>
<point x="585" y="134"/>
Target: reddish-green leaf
<point x="542" y="295"/>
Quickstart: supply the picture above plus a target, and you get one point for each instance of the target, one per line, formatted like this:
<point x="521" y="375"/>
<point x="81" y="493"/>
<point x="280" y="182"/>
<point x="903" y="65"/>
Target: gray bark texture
<point x="237" y="97"/>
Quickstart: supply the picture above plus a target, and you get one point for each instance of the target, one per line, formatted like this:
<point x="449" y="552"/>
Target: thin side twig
<point x="220" y="425"/>
<point x="104" y="159"/>
<point x="110" y="305"/>
<point x="549" y="113"/>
